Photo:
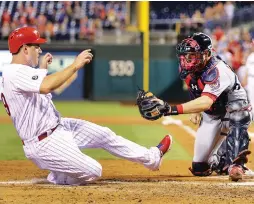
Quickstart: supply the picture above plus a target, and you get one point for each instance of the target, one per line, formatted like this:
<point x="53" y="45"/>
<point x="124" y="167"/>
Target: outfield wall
<point x="116" y="72"/>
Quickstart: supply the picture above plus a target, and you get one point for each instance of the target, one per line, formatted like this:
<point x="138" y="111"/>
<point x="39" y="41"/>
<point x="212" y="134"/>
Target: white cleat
<point x="248" y="172"/>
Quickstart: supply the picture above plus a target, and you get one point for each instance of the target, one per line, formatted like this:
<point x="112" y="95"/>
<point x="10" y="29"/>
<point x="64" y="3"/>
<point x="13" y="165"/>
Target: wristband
<point x="175" y="110"/>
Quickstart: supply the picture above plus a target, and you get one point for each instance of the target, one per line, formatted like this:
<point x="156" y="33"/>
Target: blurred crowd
<point x="217" y="15"/>
<point x="85" y="19"/>
<point x="232" y="44"/>
<point x="63" y="20"/>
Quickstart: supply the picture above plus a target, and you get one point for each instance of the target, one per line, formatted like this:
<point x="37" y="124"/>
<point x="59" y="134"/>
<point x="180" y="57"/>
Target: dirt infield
<point x="122" y="182"/>
<point x="125" y="182"/>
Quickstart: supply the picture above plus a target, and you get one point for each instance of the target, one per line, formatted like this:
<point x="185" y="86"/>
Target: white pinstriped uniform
<point x="33" y="114"/>
<point x="1" y="85"/>
<point x="250" y="84"/>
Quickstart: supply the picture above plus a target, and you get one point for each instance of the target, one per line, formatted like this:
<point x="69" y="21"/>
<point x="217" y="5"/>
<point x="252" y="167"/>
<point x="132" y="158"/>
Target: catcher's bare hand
<point x="195" y="118"/>
<point x="83" y="58"/>
<point x="46" y="60"/>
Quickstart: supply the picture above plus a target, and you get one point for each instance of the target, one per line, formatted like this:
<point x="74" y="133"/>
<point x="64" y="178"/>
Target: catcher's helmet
<point x="191" y="50"/>
<point x="22" y="36"/>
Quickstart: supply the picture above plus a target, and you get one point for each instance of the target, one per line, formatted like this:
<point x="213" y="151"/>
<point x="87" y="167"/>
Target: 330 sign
<point x="121" y="68"/>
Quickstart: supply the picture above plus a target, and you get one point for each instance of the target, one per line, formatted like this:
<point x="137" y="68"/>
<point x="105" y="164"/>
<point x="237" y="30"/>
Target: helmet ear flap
<point x="208" y="53"/>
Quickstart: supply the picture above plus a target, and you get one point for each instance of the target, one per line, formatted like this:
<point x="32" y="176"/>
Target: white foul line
<point x="205" y="182"/>
<point x="25" y="182"/>
<point x="170" y="120"/>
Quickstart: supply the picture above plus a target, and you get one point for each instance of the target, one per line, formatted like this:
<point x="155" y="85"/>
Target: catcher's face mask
<point x="190" y="57"/>
<point x="191" y="61"/>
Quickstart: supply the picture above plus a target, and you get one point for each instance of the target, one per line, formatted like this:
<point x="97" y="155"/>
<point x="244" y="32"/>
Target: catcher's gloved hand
<point x="150" y="107"/>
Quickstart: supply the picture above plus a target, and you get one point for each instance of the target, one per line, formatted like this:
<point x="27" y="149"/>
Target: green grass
<point x="11" y="146"/>
<point x="92" y="108"/>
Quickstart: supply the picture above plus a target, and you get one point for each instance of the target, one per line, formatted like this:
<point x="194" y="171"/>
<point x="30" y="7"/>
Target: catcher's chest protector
<point x="197" y="83"/>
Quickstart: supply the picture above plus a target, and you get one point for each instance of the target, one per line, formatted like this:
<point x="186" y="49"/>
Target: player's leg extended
<point x="207" y="136"/>
<point x="90" y="135"/>
<point x="60" y="154"/>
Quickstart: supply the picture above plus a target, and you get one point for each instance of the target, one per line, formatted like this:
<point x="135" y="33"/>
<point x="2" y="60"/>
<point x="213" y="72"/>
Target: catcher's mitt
<point x="149" y="109"/>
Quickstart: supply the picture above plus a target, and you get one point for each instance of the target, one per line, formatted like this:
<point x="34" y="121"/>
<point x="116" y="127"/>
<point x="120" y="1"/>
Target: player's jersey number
<point x="5" y="104"/>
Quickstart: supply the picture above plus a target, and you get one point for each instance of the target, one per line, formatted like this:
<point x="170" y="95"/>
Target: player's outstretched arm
<point x="197" y="105"/>
<point x="53" y="81"/>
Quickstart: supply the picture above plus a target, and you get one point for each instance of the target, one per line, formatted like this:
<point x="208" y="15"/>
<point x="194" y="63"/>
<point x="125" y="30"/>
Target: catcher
<point x="218" y="96"/>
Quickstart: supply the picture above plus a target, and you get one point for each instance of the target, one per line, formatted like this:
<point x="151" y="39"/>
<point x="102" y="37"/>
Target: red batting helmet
<point x="22" y="36"/>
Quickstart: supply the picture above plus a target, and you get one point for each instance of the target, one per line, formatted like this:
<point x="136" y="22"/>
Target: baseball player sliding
<point x="52" y="142"/>
<point x="217" y="96"/>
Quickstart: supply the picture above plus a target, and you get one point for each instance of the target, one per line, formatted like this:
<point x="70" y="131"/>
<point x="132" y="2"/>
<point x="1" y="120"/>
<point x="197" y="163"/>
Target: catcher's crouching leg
<point x="238" y="139"/>
<point x="200" y="169"/>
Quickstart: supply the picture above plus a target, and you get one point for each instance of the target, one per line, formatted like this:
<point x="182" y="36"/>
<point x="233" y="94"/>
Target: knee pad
<point x="200" y="169"/>
<point x="238" y="138"/>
